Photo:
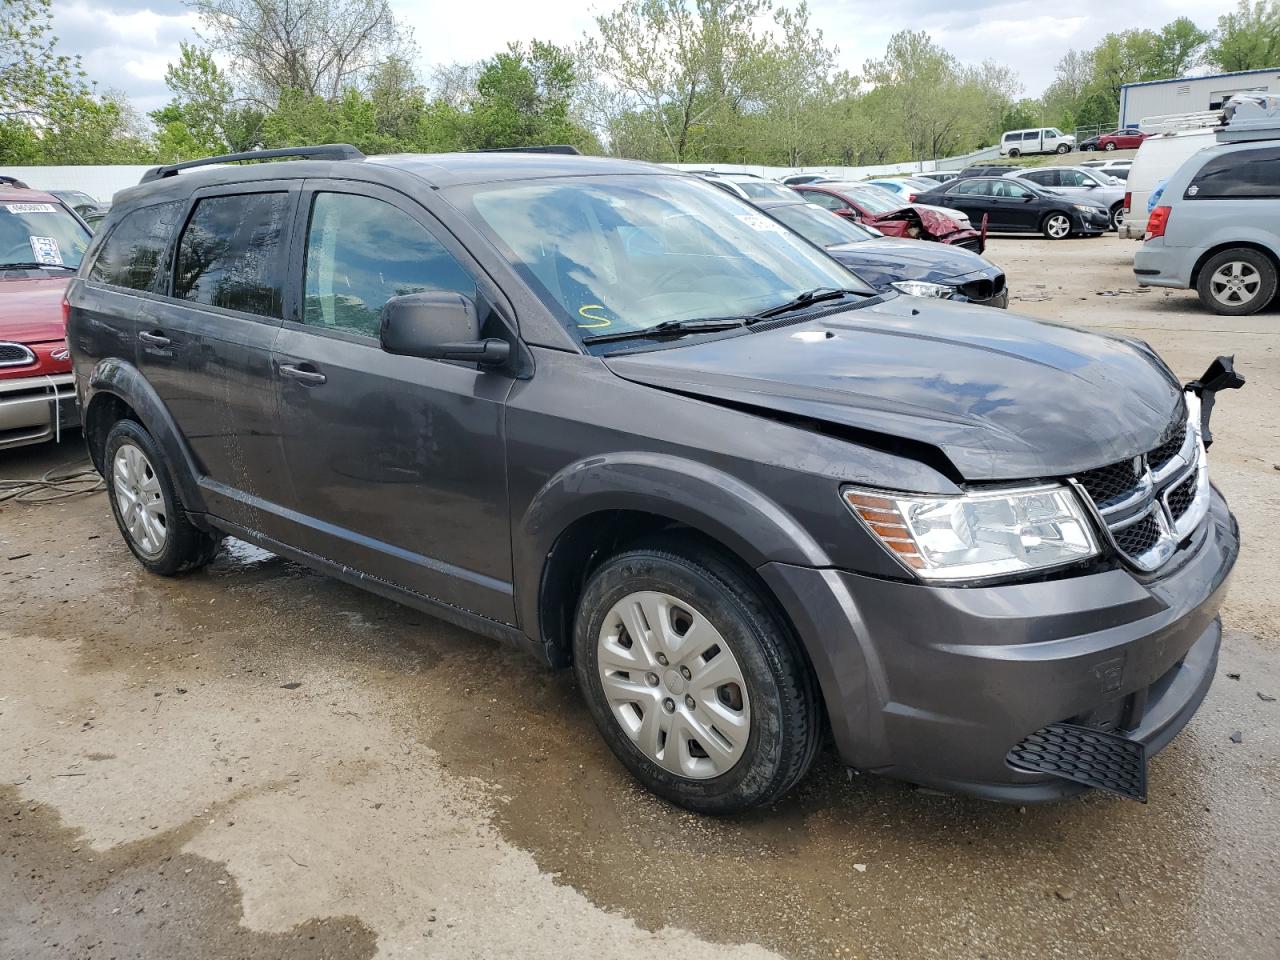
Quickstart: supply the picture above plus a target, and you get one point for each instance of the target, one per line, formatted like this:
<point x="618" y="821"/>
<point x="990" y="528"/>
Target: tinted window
<point x="1009" y="189"/>
<point x="1013" y="136"/>
<point x="1031" y="135"/>
<point x="1244" y="173"/>
<point x="819" y="226"/>
<point x="972" y="188"/>
<point x="131" y="254"/>
<point x="361" y="252"/>
<point x="824" y="200"/>
<point x="231" y="253"/>
<point x="1046" y="178"/>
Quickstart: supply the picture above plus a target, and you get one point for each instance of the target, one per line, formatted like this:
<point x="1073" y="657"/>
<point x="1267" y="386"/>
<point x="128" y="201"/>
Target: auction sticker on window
<point x="46" y="251"/>
<point x="30" y="207"/>
<point x="758" y="221"/>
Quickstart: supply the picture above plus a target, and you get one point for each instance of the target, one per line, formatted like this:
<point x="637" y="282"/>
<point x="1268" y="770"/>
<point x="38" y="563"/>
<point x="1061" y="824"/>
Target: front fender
<point x="122" y="380"/>
<point x="715" y="503"/>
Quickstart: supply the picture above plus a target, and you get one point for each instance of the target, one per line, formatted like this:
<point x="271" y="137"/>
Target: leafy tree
<point x="320" y="48"/>
<point x="523" y="98"/>
<point x="1248" y="38"/>
<point x="203" y="117"/>
<point x="796" y="85"/>
<point x="681" y="63"/>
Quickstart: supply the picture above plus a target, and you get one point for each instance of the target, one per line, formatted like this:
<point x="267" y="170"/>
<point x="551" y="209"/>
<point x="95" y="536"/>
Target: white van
<point x="1017" y="143"/>
<point x="1156" y="160"/>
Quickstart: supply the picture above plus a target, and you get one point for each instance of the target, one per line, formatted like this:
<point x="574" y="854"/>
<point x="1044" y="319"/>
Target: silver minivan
<point x="1217" y="226"/>
<point x="1016" y="143"/>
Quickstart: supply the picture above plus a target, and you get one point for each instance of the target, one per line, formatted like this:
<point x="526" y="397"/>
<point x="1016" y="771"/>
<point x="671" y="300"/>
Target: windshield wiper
<point x="35" y="266"/>
<point x="809" y="297"/>
<point x="672" y="328"/>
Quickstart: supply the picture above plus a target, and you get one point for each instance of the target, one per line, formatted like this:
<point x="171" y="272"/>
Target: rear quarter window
<point x="1240" y="174"/>
<point x="130" y="256"/>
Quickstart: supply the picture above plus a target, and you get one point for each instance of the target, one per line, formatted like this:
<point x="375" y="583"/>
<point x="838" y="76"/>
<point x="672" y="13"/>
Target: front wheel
<point x="1015" y="153"/>
<point x="1056" y="226"/>
<point x="693" y="679"/>
<point x="1109" y="146"/>
<point x="1064" y="148"/>
<point x="1237" y="282"/>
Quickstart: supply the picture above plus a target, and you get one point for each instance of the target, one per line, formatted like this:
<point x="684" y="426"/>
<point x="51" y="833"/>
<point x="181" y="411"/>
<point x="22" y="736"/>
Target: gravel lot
<point x="258" y="762"/>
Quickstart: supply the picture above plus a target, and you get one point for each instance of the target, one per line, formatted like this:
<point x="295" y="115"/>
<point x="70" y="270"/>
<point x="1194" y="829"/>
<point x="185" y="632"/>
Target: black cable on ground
<point x="76" y="478"/>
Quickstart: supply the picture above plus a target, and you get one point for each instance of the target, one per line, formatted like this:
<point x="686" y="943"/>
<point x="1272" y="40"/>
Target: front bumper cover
<point x="935" y="685"/>
<point x="35" y="409"/>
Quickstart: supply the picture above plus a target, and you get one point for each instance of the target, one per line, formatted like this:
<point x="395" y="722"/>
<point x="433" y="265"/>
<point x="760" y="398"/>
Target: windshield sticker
<point x="46" y="251"/>
<point x="31" y="208"/>
<point x="597" y="321"/>
<point x="757" y="221"/>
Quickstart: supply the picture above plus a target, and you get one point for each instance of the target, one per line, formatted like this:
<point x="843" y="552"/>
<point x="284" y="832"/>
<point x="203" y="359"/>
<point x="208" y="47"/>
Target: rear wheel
<point x="1117" y="216"/>
<point x="693" y="679"/>
<point x="1015" y="153"/>
<point x="146" y="505"/>
<point x="1237" y="282"/>
<point x="1056" y="226"/>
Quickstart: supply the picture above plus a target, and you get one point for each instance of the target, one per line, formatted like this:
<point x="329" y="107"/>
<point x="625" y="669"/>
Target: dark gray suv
<point x="609" y="413"/>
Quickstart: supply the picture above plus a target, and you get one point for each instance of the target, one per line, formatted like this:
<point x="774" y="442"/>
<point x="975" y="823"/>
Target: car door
<point x="398" y="463"/>
<point x="205" y="344"/>
<point x="1019" y="206"/>
<point x="972" y="197"/>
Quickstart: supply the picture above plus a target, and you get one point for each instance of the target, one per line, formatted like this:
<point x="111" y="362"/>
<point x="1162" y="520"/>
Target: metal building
<point x="1158" y="98"/>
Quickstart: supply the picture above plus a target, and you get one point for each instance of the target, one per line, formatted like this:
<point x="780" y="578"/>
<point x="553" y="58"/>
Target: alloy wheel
<point x="1057" y="226"/>
<point x="1117" y="218"/>
<point x="139" y="499"/>
<point x="673" y="685"/>
<point x="1235" y="283"/>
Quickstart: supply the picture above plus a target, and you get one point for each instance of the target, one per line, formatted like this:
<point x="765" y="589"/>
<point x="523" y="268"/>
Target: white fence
<point x="101" y="182"/>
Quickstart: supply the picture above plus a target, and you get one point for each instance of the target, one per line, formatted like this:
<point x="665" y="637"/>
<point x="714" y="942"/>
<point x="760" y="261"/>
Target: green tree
<point x="796" y="86"/>
<point x="203" y="117"/>
<point x="1248" y="38"/>
<point x="34" y="77"/>
<point x="523" y="98"/>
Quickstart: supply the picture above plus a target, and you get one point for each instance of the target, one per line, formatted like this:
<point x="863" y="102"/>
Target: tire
<point x="1015" y="153"/>
<point x="1064" y="148"/>
<point x="1237" y="282"/>
<point x="1110" y="145"/>
<point x="767" y="704"/>
<point x="1117" y="217"/>
<point x="147" y="507"/>
<point x="1052" y="226"/>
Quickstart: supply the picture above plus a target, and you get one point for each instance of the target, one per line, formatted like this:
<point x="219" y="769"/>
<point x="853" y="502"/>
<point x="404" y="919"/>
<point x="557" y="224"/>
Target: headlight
<point x="919" y="288"/>
<point x="978" y="534"/>
<point x="1085" y="208"/>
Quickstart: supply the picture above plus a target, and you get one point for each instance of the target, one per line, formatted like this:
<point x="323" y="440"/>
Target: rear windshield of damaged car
<point x="40" y="232"/>
<point x="613" y="254"/>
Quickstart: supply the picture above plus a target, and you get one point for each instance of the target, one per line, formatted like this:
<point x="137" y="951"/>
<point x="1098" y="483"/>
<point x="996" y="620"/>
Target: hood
<point x="1004" y="397"/>
<point x="887" y="259"/>
<point x="31" y="308"/>
<point x="931" y="221"/>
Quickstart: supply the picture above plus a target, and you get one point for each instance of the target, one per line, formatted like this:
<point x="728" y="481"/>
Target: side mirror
<point x="437" y="326"/>
<point x="848" y="213"/>
<point x="1028" y="198"/>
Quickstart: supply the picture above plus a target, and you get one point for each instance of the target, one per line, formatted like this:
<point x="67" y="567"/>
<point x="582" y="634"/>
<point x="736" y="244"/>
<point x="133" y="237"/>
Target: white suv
<point x="1016" y="143"/>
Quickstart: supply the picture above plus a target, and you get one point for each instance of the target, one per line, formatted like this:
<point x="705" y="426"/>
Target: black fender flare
<point x="118" y="378"/>
<point x="708" y="500"/>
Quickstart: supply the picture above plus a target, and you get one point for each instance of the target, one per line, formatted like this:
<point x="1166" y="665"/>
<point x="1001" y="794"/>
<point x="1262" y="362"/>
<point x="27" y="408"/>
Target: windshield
<point x="874" y="200"/>
<point x="818" y="225"/>
<point x="765" y="190"/>
<point x="40" y="233"/>
<point x="620" y="253"/>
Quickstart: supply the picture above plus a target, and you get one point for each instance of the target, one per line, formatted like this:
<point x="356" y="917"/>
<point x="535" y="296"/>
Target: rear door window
<point x="1240" y="174"/>
<point x="130" y="257"/>
<point x="231" y="254"/>
<point x="361" y="252"/>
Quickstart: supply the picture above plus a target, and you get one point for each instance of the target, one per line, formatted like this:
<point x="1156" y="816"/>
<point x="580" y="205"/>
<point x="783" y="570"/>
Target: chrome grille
<point x="15" y="355"/>
<point x="1151" y="503"/>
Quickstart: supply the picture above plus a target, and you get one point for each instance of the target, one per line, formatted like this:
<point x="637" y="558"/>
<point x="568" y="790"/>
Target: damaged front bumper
<point x="36" y="409"/>
<point x="937" y="685"/>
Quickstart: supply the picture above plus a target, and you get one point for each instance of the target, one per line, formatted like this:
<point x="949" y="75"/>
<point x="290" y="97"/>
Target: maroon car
<point x="1121" y="140"/>
<point x="874" y="207"/>
<point x="41" y="243"/>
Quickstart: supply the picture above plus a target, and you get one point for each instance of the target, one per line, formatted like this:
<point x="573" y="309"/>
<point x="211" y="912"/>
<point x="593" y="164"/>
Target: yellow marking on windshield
<point x="599" y="320"/>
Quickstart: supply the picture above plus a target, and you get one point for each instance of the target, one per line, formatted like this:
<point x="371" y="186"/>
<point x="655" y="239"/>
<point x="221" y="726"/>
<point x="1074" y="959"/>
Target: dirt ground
<point x="254" y="761"/>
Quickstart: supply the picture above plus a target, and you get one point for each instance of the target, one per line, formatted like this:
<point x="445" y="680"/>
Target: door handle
<point x="310" y="378"/>
<point x="155" y="339"/>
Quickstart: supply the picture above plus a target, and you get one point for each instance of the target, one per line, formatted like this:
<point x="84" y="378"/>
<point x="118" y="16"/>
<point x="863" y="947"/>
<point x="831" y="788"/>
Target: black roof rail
<point x="551" y="148"/>
<point x="13" y="182"/>
<point x="324" y="151"/>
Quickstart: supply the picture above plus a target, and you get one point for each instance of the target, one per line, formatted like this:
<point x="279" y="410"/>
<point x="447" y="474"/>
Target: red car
<point x="41" y="244"/>
<point x="1121" y="140"/>
<point x="874" y="207"/>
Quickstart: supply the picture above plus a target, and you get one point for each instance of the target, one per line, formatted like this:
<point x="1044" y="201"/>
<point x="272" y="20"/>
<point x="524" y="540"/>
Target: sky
<point x="126" y="44"/>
